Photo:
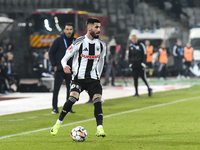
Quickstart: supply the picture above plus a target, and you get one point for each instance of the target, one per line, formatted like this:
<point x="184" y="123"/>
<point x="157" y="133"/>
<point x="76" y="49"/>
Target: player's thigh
<point x="135" y="72"/>
<point x="75" y="89"/>
<point x="95" y="90"/>
<point x="141" y="72"/>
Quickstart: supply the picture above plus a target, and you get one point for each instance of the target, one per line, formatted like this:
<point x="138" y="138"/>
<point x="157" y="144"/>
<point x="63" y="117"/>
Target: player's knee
<point x="74" y="94"/>
<point x="96" y="98"/>
<point x="72" y="99"/>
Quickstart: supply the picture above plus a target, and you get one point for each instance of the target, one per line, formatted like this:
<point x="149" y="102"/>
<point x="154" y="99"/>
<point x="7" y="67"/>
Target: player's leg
<point x="151" y="69"/>
<point x="148" y="69"/>
<point x="66" y="108"/>
<point x="164" y="71"/>
<point x="68" y="78"/>
<point x="181" y="69"/>
<point x="188" y="69"/>
<point x="98" y="113"/>
<point x="135" y="77"/>
<point x="108" y="68"/>
<point x="160" y="70"/>
<point x="57" y="84"/>
<point x="143" y="76"/>
<point x="95" y="92"/>
<point x="74" y="96"/>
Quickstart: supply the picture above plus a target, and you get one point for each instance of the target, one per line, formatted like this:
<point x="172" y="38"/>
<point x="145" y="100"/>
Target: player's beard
<point x="68" y="35"/>
<point x="92" y="33"/>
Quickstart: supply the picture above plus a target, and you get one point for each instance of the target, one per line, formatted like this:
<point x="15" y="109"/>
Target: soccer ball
<point x="79" y="134"/>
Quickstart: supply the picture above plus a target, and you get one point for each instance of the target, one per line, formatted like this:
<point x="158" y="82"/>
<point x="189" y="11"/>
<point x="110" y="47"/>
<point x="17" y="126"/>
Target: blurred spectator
<point x="46" y="69"/>
<point x="149" y="60"/>
<point x="178" y="59"/>
<point x="162" y="58"/>
<point x="188" y="56"/>
<point x="177" y="9"/>
<point x="4" y="85"/>
<point x="161" y="4"/>
<point x="191" y="3"/>
<point x="110" y="61"/>
<point x="1" y="52"/>
<point x="9" y="48"/>
<point x="12" y="77"/>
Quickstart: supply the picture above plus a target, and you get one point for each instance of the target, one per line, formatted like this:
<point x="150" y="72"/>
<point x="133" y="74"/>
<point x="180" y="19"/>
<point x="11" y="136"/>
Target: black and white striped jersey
<point x="88" y="58"/>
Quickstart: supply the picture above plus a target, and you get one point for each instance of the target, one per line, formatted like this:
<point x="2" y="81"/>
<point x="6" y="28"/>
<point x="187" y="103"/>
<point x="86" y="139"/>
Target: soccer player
<point x="137" y="60"/>
<point x="88" y="59"/>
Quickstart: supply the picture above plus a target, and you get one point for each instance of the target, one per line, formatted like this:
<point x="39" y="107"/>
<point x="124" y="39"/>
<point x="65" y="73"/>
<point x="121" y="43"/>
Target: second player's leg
<point x="95" y="92"/>
<point x="143" y="76"/>
<point x="135" y="78"/>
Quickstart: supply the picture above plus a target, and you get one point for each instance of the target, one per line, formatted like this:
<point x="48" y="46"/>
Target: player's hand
<point x="67" y="69"/>
<point x="143" y="65"/>
<point x="55" y="68"/>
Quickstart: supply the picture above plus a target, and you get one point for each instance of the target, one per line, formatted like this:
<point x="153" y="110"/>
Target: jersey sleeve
<point x="69" y="53"/>
<point x="144" y="53"/>
<point x="129" y="54"/>
<point x="52" y="51"/>
<point x="101" y="59"/>
<point x="174" y="51"/>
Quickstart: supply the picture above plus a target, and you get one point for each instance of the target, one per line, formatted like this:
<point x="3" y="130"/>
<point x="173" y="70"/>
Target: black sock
<point x="66" y="108"/>
<point x="98" y="113"/>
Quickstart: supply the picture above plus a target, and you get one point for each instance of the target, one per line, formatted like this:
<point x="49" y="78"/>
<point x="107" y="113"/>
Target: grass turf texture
<point x="154" y="81"/>
<point x="171" y="126"/>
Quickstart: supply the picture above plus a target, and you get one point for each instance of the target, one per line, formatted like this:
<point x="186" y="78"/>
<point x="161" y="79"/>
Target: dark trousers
<point x="162" y="70"/>
<point x="178" y="65"/>
<point x="109" y="73"/>
<point x="14" y="78"/>
<point x="4" y="86"/>
<point x="139" y="72"/>
<point x="187" y="70"/>
<point x="59" y="76"/>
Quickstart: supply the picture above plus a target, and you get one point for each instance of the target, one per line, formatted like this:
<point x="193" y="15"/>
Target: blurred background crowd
<point x="27" y="29"/>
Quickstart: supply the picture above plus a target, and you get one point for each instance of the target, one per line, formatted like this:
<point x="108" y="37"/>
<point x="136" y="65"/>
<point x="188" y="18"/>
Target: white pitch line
<point x="107" y="116"/>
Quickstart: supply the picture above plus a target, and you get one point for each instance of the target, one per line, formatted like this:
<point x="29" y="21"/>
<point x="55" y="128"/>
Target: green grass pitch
<point x="167" y="121"/>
